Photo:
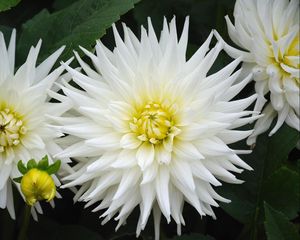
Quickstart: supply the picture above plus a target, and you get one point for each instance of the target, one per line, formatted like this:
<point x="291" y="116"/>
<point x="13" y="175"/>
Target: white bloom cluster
<point x="272" y="41"/>
<point x="151" y="128"/>
<point x="24" y="128"/>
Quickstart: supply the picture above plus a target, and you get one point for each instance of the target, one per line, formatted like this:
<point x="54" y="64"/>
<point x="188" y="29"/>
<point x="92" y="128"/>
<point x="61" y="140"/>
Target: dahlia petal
<point x="200" y="171"/>
<point x="126" y="159"/>
<point x="183" y="173"/>
<point x="130" y="141"/>
<point x="110" y="140"/>
<point x="148" y="196"/>
<point x="280" y="120"/>
<point x="10" y="201"/>
<point x="187" y="150"/>
<point x="4" y="174"/>
<point x="157" y="217"/>
<point x="163" y="156"/>
<point x="262" y="124"/>
<point x="191" y="196"/>
<point x="44" y="68"/>
<point x="145" y="155"/>
<point x="11" y="51"/>
<point x="150" y="174"/>
<point x="293" y="120"/>
<point x="154" y="125"/>
<point x="231" y="136"/>
<point x="162" y="191"/>
<point x="3" y="196"/>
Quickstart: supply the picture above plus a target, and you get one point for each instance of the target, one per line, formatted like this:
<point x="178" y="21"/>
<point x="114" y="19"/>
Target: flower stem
<point x="26" y="219"/>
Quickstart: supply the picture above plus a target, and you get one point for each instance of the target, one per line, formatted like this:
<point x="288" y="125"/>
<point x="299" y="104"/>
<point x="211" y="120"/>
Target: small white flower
<point x="24" y="128"/>
<point x="269" y="31"/>
<point x="152" y="129"/>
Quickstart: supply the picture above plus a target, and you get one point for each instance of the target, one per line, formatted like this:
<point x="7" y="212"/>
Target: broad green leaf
<point x="194" y="236"/>
<point x="278" y="226"/>
<point x="270" y="181"/>
<point x="281" y="190"/>
<point x="8" y="4"/>
<point x="43" y="163"/>
<point x="53" y="168"/>
<point x="81" y="23"/>
<point x="21" y="167"/>
<point x="59" y="4"/>
<point x="31" y="164"/>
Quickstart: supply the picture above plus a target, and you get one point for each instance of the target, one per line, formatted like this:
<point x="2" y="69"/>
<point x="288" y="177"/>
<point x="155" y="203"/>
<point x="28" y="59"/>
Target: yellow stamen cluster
<point x="154" y="122"/>
<point x="11" y="129"/>
<point x="37" y="185"/>
<point x="289" y="57"/>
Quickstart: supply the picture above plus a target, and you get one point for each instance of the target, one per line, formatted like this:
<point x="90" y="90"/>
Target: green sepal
<point x="43" y="163"/>
<point x="18" y="179"/>
<point x="22" y="168"/>
<point x="53" y="168"/>
<point x="31" y="164"/>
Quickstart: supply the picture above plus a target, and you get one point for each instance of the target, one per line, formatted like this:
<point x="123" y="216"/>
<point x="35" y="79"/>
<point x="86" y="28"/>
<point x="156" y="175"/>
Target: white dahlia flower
<point x="24" y="128"/>
<point x="269" y="32"/>
<point x="152" y="129"/>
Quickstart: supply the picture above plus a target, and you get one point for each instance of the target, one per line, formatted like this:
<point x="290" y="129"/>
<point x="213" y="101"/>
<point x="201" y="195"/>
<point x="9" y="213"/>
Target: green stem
<point x="25" y="223"/>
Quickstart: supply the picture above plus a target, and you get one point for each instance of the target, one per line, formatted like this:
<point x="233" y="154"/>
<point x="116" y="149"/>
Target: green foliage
<point x="53" y="168"/>
<point x="194" y="237"/>
<point x="81" y="23"/>
<point x="282" y="187"/>
<point x="31" y="164"/>
<point x="278" y="226"/>
<point x="8" y="4"/>
<point x="271" y="181"/>
<point x="22" y="168"/>
<point x="43" y="165"/>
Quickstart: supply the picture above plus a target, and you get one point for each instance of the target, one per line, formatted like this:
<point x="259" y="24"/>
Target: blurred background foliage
<point x="266" y="206"/>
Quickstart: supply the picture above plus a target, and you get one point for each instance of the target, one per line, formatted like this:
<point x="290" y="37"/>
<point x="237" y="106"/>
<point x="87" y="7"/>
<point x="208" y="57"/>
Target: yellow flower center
<point x="290" y="57"/>
<point x="11" y="129"/>
<point x="37" y="185"/>
<point x="154" y="122"/>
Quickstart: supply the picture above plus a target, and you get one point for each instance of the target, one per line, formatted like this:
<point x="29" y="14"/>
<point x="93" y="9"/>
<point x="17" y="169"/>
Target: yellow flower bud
<point x="37" y="185"/>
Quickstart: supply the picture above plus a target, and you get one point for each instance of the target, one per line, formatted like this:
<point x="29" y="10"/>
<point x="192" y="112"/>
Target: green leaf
<point x="31" y="164"/>
<point x="81" y="23"/>
<point x="43" y="163"/>
<point x="8" y="4"/>
<point x="18" y="179"/>
<point x="271" y="181"/>
<point x="281" y="190"/>
<point x="22" y="168"/>
<point x="53" y="168"/>
<point x="194" y="236"/>
<point x="278" y="226"/>
<point x="59" y="4"/>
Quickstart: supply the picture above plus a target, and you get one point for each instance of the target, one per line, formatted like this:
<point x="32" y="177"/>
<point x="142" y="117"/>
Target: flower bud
<point x="37" y="185"/>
